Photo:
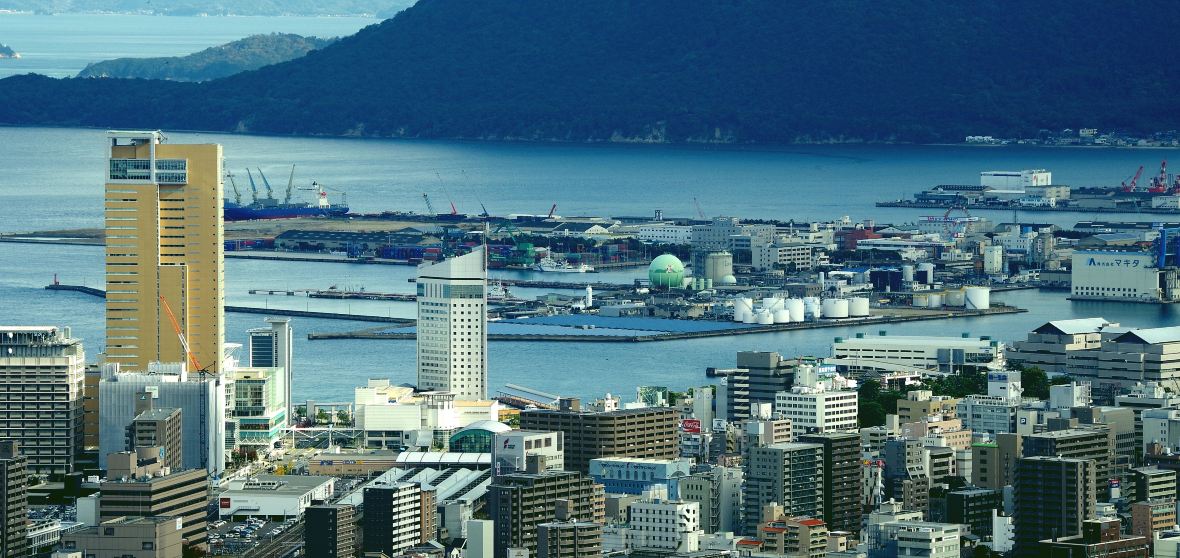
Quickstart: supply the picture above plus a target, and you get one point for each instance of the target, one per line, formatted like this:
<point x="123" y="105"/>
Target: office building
<point x="993" y="463"/>
<point x="528" y="451"/>
<point x="480" y="539"/>
<point x="907" y="474"/>
<point x="817" y="409"/>
<point x="138" y="486"/>
<point x="841" y="478"/>
<point x="158" y="428"/>
<point x="973" y="507"/>
<point x="656" y="522"/>
<point x="334" y="531"/>
<point x="718" y="490"/>
<point x="14" y="505"/>
<point x="1127" y="358"/>
<point x="201" y="401"/>
<point x="927" y="539"/>
<point x="569" y="539"/>
<point x="994" y="413"/>
<point x="759" y="433"/>
<point x="121" y="537"/>
<point x="920" y="404"/>
<point x="41" y="376"/>
<point x="891" y="353"/>
<point x="1047" y="346"/>
<point x="790" y="475"/>
<point x="519" y="502"/>
<point x="259" y="407"/>
<point x="452" y="326"/>
<point x="1153" y="483"/>
<point x="634" y="475"/>
<point x="1151" y="517"/>
<point x="1099" y="537"/>
<point x="164" y="253"/>
<point x="1053" y="496"/>
<point x="398" y="516"/>
<point x="272" y="496"/>
<point x="757" y="378"/>
<point x="648" y="432"/>
<point x="271" y="347"/>
<point x="1141" y="397"/>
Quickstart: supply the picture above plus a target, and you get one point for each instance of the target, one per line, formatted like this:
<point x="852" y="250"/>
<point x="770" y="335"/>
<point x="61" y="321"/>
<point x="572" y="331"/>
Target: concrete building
<point x="928" y="539"/>
<point x="974" y="508"/>
<point x="1091" y="444"/>
<point x="398" y="516"/>
<point x="14" y="505"/>
<point x="334" y="534"/>
<point x="519" y="502"/>
<point x="1149" y="395"/>
<point x="802" y="537"/>
<point x="158" y="428"/>
<point x="759" y="376"/>
<point x="452" y="326"/>
<point x="569" y="539"/>
<point x="920" y="404"/>
<point x="1120" y="275"/>
<point x="529" y="451"/>
<point x="995" y="462"/>
<point x="260" y="406"/>
<point x="994" y="413"/>
<point x="1047" y="346"/>
<point x="201" y="401"/>
<point x="841" y="478"/>
<point x="1151" y="517"/>
<point x="164" y="252"/>
<point x="1153" y="483"/>
<point x="665" y="233"/>
<point x="787" y="474"/>
<point x="659" y="523"/>
<point x="759" y="433"/>
<point x="41" y="377"/>
<point x="274" y="497"/>
<point x="718" y="490"/>
<point x="122" y="537"/>
<point x="907" y="473"/>
<point x="634" y="475"/>
<point x="888" y="353"/>
<point x="1099" y="537"/>
<point x="817" y="409"/>
<point x="138" y="486"/>
<point x="1053" y="496"/>
<point x="649" y="432"/>
<point x="480" y="539"/>
<point x="272" y="347"/>
<point x="1129" y="358"/>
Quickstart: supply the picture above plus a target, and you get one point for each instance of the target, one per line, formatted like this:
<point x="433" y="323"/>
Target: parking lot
<point x="239" y="537"/>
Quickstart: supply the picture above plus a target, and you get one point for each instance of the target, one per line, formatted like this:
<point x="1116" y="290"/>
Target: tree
<point x="1035" y="382"/>
<point x="870" y="413"/>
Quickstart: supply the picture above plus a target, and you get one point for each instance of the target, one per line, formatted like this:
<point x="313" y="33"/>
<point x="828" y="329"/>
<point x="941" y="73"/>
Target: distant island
<point x="213" y="7"/>
<point x="755" y="71"/>
<point x="250" y="53"/>
<point x="7" y="52"/>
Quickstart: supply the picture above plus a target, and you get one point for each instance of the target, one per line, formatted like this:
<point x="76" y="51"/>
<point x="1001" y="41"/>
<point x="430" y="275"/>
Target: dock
<point x="253" y="310"/>
<point x="378" y="333"/>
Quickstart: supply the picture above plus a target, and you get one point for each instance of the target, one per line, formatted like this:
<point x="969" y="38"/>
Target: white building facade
<point x="452" y="326"/>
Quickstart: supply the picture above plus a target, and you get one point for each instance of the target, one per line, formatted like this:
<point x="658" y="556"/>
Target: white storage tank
<point x="741" y="308"/>
<point x="978" y="298"/>
<point x="771" y="304"/>
<point x="795" y="307"/>
<point x="926" y="273"/>
<point x="858" y="307"/>
<point x="717" y="266"/>
<point x="907" y="273"/>
<point x="811" y="307"/>
<point x="782" y="316"/>
<point x="835" y="308"/>
<point x="956" y="297"/>
<point x="749" y="318"/>
<point x="764" y="317"/>
<point x="935" y="300"/>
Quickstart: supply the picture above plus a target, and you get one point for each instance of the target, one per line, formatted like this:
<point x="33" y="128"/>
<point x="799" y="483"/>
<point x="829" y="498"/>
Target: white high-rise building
<point x="452" y="326"/>
<point x="659" y="523"/>
<point x="41" y="372"/>
<point x="270" y="347"/>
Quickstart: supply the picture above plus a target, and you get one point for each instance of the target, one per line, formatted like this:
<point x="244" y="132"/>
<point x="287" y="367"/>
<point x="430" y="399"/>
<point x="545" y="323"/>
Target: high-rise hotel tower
<point x="452" y="326"/>
<point x="164" y="252"/>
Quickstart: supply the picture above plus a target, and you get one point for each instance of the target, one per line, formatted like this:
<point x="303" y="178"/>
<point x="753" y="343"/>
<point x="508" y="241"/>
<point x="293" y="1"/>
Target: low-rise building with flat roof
<point x="273" y="497"/>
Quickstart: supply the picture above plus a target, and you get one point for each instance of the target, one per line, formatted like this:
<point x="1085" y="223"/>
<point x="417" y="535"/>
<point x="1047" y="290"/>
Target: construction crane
<point x="179" y="334"/>
<point x="699" y="212"/>
<point x="485" y="213"/>
<point x="1134" y="181"/>
<point x="429" y="206"/>
<point x="290" y="183"/>
<point x="253" y="187"/>
<point x="445" y="193"/>
<point x="234" y="185"/>
<point x="270" y="193"/>
<point x="551" y="210"/>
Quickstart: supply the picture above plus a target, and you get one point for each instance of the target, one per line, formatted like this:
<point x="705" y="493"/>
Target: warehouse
<point x="1127" y="276"/>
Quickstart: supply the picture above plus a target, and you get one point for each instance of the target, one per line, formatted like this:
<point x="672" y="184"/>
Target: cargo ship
<point x="270" y="207"/>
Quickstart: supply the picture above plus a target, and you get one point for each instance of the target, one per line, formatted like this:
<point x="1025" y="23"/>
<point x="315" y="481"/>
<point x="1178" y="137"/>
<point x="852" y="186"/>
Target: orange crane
<point x="1159" y="184"/>
<point x="183" y="342"/>
<point x="1134" y="181"/>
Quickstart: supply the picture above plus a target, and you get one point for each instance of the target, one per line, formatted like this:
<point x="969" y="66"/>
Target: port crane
<point x="1134" y="181"/>
<point x="179" y="334"/>
<point x="552" y="208"/>
<point x="253" y="187"/>
<point x="699" y="212"/>
<point x="234" y="185"/>
<point x="270" y="193"/>
<point x="290" y="183"/>
<point x="1159" y="184"/>
<point x="429" y="206"/>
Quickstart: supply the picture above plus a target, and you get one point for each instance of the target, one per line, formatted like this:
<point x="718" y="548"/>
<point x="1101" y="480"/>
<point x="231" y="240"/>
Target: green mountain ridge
<point x="250" y="53"/>
<point x="724" y="71"/>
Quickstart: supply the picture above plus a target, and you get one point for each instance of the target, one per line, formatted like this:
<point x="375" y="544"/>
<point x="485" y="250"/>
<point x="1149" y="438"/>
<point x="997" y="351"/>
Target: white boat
<point x="497" y="292"/>
<point x="550" y="265"/>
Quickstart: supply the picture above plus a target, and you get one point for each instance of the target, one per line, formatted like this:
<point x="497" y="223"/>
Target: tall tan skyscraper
<point x="164" y="251"/>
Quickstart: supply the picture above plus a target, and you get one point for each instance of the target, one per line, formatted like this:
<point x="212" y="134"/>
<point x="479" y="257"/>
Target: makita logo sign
<point x="1117" y="262"/>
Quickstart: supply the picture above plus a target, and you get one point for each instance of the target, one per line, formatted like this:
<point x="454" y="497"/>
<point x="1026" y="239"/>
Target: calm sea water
<point x="61" y="45"/>
<point x="52" y="179"/>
